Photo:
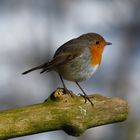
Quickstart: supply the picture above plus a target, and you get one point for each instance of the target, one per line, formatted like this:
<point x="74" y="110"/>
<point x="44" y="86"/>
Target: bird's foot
<point x="66" y="91"/>
<point x="86" y="98"/>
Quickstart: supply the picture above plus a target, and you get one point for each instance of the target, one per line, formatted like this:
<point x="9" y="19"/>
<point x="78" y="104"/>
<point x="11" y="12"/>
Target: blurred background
<point x="31" y="31"/>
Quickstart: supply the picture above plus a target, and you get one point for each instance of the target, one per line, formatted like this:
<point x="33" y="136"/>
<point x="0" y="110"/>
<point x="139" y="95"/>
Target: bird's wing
<point x="66" y="53"/>
<point x="58" y="60"/>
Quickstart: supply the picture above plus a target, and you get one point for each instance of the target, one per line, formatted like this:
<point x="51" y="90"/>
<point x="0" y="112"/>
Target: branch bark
<point x="62" y="112"/>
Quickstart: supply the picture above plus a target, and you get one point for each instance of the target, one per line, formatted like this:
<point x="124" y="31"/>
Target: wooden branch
<point x="62" y="112"/>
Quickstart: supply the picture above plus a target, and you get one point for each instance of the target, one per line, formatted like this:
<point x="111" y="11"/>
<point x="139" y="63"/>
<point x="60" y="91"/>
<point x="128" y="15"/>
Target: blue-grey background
<point x="31" y="31"/>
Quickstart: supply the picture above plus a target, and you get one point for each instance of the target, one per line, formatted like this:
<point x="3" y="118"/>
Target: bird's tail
<point x="43" y="66"/>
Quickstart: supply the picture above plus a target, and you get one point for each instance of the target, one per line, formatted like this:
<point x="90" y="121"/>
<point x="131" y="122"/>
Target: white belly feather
<point x="87" y="73"/>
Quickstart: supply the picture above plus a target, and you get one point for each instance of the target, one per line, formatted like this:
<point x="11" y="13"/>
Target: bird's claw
<point x="86" y="98"/>
<point x="66" y="91"/>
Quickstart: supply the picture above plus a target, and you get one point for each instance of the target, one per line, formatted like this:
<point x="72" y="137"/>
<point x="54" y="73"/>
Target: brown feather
<point x="58" y="60"/>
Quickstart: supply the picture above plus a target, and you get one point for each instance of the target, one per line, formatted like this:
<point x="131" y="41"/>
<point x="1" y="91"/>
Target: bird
<point x="76" y="60"/>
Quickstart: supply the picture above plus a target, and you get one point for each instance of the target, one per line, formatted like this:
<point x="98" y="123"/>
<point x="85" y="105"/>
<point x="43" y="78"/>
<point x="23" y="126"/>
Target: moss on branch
<point x="62" y="112"/>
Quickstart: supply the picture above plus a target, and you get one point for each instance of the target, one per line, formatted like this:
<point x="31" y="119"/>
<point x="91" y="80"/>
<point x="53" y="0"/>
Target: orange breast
<point x="96" y="54"/>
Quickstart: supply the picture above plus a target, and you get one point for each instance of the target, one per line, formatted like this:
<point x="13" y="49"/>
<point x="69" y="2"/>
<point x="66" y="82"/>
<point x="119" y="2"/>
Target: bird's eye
<point x="97" y="42"/>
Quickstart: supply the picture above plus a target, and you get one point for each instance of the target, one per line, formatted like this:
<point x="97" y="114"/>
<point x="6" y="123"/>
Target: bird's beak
<point x="108" y="43"/>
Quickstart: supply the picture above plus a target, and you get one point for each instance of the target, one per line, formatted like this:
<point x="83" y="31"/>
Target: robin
<point x="76" y="60"/>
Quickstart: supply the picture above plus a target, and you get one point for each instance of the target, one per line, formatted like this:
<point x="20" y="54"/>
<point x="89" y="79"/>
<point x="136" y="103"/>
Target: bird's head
<point x="97" y="45"/>
<point x="95" y="40"/>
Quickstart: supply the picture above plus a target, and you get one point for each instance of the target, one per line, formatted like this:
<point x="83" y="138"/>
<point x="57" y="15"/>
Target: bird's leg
<point x="85" y="95"/>
<point x="64" y="86"/>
